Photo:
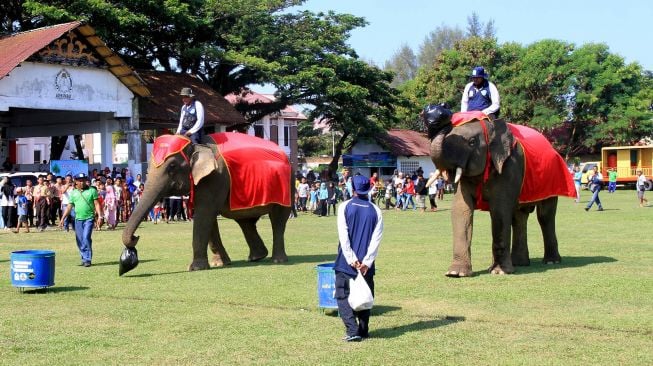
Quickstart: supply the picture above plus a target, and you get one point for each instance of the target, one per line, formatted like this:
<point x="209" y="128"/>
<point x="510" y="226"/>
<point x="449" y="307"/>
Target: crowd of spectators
<point x="319" y="196"/>
<point x="39" y="205"/>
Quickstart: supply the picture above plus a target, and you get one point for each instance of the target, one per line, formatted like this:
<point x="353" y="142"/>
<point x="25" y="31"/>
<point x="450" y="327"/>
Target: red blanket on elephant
<point x="546" y="174"/>
<point x="259" y="170"/>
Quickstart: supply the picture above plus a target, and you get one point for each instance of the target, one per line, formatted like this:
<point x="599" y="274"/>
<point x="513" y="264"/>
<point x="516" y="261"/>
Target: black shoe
<point x="86" y="264"/>
<point x="587" y="208"/>
<point x="600" y="208"/>
<point x="352" y="338"/>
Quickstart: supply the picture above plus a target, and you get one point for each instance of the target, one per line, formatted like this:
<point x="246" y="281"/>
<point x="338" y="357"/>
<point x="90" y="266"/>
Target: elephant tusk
<point x="459" y="173"/>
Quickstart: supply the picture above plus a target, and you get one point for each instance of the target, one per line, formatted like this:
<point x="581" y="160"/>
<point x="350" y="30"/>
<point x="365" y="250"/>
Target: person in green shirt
<point x="612" y="180"/>
<point x="84" y="200"/>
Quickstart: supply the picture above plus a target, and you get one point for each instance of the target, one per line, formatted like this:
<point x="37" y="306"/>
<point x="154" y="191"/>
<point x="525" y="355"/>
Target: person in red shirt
<point x="409" y="193"/>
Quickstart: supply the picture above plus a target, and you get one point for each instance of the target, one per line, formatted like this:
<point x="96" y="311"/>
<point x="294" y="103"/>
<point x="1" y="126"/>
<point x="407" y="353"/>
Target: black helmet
<point x="436" y="117"/>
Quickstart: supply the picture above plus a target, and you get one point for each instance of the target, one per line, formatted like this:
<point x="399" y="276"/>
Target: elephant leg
<point x="501" y="224"/>
<point x="278" y="218"/>
<point x="257" y="249"/>
<point x="201" y="232"/>
<point x="519" y="254"/>
<point x="546" y="215"/>
<point x="220" y="256"/>
<point x="462" y="219"/>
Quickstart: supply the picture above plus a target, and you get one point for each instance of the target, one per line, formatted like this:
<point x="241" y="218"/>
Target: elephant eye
<point x="473" y="142"/>
<point x="171" y="167"/>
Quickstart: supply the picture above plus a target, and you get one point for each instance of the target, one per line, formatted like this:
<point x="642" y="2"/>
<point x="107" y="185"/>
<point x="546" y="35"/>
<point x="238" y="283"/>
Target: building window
<point x="259" y="131"/>
<point x="37" y="156"/>
<point x="408" y="167"/>
<point x="286" y="135"/>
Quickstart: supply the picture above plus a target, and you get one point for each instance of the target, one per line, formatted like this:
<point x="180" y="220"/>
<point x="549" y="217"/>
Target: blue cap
<point x="361" y="184"/>
<point x="479" y="72"/>
<point x="80" y="176"/>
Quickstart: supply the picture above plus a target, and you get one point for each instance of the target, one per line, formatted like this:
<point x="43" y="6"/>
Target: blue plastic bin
<point x="32" y="268"/>
<point x="326" y="286"/>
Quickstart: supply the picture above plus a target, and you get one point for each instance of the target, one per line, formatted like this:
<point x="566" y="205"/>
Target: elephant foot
<point x="199" y="265"/>
<point x="551" y="260"/>
<point x="280" y="258"/>
<point x="255" y="257"/>
<point x="217" y="261"/>
<point x="457" y="271"/>
<point x="501" y="270"/>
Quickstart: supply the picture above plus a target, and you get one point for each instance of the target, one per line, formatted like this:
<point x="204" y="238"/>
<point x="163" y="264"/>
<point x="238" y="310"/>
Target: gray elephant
<point x="263" y="175"/>
<point x="506" y="169"/>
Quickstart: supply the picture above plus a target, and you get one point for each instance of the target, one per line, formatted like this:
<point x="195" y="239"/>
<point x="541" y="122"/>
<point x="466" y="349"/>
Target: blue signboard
<point x="373" y="160"/>
<point x="62" y="168"/>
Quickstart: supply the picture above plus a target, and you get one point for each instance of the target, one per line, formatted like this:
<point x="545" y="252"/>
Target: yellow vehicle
<point x="627" y="160"/>
<point x="586" y="169"/>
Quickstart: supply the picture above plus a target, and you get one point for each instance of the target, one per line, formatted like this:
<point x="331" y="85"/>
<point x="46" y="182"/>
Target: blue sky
<point x="626" y="26"/>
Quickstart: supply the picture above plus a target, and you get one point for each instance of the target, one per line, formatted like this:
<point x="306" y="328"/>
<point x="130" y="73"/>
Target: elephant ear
<point x="203" y="162"/>
<point x="501" y="142"/>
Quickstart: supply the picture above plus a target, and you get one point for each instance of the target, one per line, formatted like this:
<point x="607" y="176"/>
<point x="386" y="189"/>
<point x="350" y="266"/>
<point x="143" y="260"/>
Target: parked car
<point x="586" y="169"/>
<point x="19" y="179"/>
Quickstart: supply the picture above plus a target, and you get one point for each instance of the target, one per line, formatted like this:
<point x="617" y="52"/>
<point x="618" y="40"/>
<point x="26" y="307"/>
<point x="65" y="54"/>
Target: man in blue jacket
<point x="360" y="228"/>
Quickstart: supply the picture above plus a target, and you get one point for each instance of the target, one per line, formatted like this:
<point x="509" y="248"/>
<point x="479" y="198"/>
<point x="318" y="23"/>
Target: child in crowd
<point x="388" y="194"/>
<point x="156" y="212"/>
<point x="21" y="204"/>
<point x="312" y="205"/>
<point x="101" y="193"/>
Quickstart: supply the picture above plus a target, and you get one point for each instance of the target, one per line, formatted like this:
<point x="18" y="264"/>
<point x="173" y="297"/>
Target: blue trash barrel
<point x="326" y="286"/>
<point x="32" y="268"/>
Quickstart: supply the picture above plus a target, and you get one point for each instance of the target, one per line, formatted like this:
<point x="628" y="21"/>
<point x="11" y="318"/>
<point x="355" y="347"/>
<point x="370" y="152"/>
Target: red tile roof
<point x="163" y="107"/>
<point x="252" y="97"/>
<point x="406" y="143"/>
<point x="16" y="48"/>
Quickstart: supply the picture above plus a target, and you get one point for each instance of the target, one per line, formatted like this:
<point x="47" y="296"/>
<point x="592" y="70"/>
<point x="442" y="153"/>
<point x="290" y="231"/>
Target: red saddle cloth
<point x="546" y="174"/>
<point x="259" y="170"/>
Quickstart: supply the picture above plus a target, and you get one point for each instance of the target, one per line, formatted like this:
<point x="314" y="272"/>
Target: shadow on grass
<point x="415" y="327"/>
<point x="54" y="289"/>
<point x="292" y="260"/>
<point x="115" y="263"/>
<point x="376" y="310"/>
<point x="143" y="275"/>
<point x="567" y="262"/>
<point x="382" y="309"/>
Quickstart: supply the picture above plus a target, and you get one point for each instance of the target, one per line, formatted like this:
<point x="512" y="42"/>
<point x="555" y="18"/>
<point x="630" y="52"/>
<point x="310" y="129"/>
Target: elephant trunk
<point x="147" y="201"/>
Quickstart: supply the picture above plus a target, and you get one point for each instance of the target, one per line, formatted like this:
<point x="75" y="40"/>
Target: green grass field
<point x="594" y="308"/>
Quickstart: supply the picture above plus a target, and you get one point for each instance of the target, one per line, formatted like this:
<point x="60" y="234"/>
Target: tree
<point x="403" y="64"/>
<point x="352" y="97"/>
<point x="440" y="39"/>
<point x="476" y="28"/>
<point x="233" y="44"/>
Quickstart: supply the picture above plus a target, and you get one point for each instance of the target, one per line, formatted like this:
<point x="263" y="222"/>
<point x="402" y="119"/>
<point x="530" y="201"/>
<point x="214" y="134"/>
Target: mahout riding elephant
<point x="235" y="175"/>
<point x="508" y="170"/>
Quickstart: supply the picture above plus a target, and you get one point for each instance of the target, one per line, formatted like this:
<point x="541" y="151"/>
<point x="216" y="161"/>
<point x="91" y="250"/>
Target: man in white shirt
<point x="191" y="120"/>
<point x="481" y="94"/>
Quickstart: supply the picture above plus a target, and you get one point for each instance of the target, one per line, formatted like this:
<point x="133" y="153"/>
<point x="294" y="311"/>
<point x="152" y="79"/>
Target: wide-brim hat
<point x="479" y="72"/>
<point x="187" y="92"/>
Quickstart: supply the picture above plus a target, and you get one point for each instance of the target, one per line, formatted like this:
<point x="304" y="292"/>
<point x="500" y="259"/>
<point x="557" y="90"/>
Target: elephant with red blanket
<point x="508" y="170"/>
<point x="238" y="176"/>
